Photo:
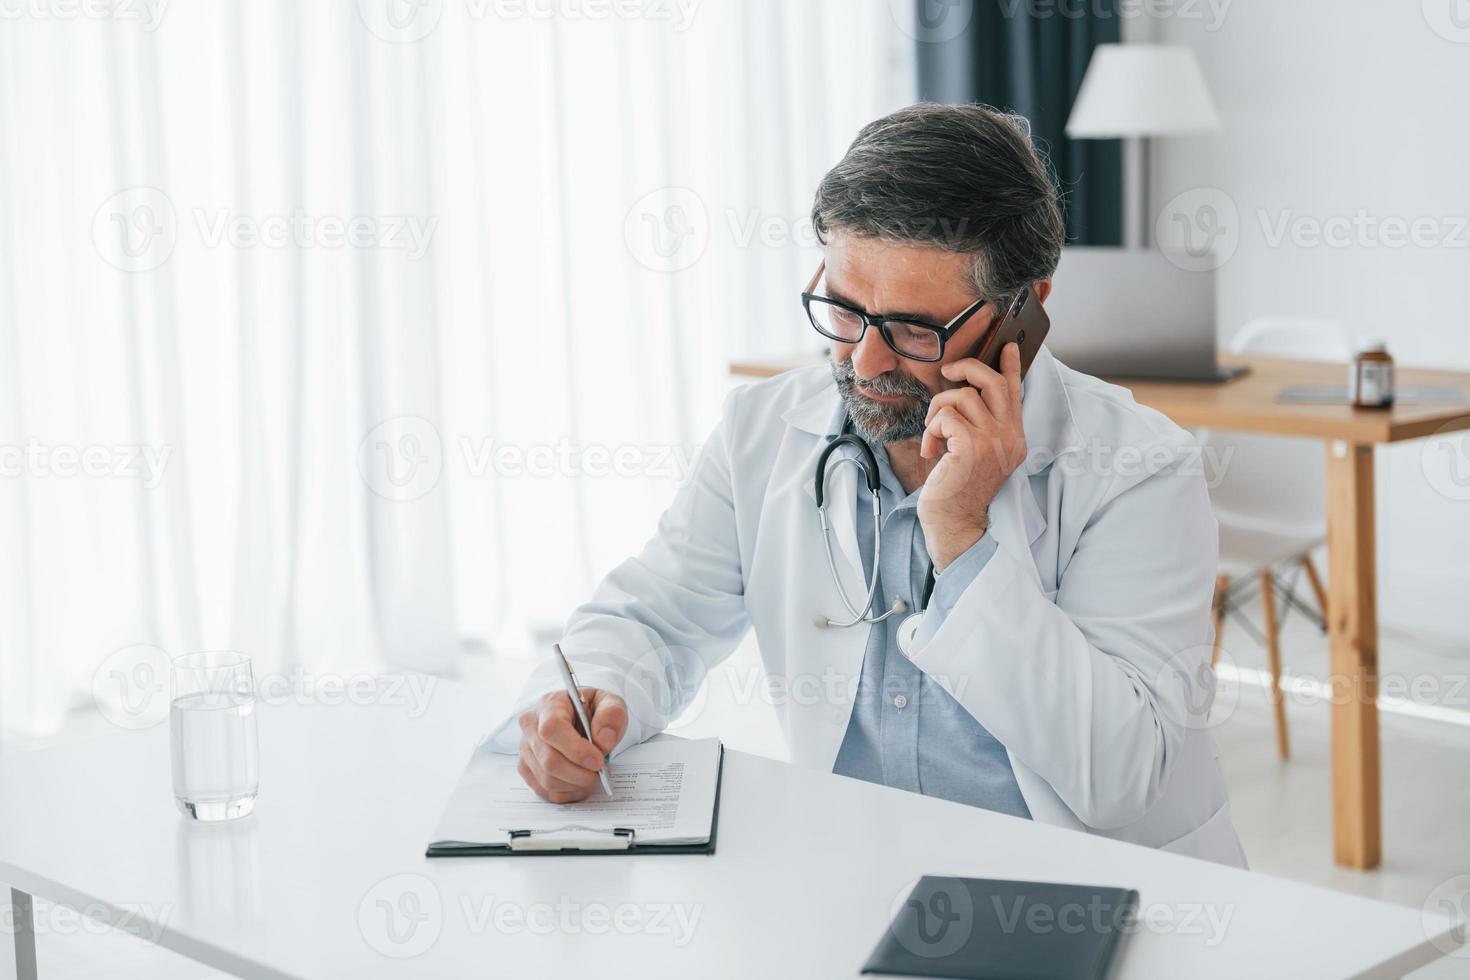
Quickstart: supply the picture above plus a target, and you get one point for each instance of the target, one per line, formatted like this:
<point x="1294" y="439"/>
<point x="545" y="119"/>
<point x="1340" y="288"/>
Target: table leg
<point x="1353" y="628"/>
<point x="23" y="915"/>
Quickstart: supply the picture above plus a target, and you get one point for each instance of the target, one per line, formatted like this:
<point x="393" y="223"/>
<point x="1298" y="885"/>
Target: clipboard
<point x="577" y="840"/>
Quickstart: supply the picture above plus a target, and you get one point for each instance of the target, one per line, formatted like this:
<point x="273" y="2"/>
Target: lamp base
<point x="1137" y="221"/>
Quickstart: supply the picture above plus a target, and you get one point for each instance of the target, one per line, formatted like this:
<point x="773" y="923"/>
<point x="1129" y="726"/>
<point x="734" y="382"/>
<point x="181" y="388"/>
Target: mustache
<point x="890" y="384"/>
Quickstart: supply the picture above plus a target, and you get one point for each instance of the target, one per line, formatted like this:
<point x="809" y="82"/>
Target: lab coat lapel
<point x="1016" y="517"/>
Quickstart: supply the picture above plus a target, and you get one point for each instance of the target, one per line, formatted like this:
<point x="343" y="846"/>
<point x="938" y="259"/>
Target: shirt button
<point x="899" y="701"/>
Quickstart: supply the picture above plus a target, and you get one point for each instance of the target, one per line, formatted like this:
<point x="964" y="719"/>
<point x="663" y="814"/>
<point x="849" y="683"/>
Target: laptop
<point x="1132" y="314"/>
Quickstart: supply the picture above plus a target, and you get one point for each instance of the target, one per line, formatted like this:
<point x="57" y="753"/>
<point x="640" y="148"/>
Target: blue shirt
<point x="906" y="730"/>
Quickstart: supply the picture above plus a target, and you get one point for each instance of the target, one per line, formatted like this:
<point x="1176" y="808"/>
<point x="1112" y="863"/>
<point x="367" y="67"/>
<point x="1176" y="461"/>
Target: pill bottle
<point x="1370" y="384"/>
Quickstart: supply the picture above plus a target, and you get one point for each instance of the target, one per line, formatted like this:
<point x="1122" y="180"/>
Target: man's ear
<point x="1043" y="290"/>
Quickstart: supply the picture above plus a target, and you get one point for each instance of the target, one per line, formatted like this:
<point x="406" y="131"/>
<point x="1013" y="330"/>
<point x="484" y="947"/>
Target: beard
<point x="882" y="422"/>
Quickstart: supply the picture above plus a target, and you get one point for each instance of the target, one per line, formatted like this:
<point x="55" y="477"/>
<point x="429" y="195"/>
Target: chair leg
<point x="1273" y="656"/>
<point x="1222" y="586"/>
<point x="1316" y="582"/>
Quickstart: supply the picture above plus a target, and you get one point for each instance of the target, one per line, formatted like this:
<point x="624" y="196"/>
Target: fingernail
<point x="592" y="762"/>
<point x="607" y="736"/>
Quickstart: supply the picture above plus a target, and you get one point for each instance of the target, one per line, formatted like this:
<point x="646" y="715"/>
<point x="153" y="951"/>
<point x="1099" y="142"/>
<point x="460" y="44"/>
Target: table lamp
<point x="1134" y="92"/>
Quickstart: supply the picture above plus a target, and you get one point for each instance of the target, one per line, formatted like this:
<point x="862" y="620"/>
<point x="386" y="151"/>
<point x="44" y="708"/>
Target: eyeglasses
<point x="914" y="339"/>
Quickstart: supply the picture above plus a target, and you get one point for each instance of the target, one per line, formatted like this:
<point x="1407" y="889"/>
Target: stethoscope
<point x="867" y="462"/>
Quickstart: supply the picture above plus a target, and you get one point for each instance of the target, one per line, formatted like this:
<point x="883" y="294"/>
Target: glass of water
<point x="216" y="759"/>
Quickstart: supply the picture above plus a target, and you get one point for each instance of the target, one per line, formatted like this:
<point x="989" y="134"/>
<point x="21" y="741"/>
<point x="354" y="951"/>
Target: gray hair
<point x="965" y="178"/>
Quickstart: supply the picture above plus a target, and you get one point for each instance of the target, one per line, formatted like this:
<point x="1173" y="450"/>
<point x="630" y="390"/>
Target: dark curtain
<point x="1029" y="58"/>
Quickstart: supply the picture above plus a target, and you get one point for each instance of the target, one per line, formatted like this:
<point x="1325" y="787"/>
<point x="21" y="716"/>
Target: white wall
<point x="1332" y="109"/>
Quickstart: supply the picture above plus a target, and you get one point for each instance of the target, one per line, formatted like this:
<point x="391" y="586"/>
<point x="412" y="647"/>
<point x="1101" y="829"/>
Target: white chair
<point x="1269" y="501"/>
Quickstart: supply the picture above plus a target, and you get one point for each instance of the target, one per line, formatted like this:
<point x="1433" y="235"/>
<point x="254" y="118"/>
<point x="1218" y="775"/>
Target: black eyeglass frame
<point x="944" y="333"/>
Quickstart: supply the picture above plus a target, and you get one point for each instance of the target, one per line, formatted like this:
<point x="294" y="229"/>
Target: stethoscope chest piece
<point x="907" y="631"/>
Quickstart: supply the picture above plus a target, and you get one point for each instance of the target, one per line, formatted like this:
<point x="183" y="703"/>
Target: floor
<point x="1281" y="808"/>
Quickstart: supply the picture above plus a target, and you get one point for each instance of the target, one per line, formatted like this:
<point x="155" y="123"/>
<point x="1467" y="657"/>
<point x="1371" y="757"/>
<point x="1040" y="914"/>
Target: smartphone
<point x="1025" y="323"/>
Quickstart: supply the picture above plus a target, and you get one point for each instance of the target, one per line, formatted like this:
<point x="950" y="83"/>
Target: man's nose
<point x="872" y="356"/>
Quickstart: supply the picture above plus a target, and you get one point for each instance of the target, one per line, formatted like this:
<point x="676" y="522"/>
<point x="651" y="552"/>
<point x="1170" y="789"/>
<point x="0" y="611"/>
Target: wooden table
<point x="1249" y="404"/>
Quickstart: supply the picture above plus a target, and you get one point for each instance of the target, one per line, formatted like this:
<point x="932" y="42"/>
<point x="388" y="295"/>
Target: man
<point x="1060" y="669"/>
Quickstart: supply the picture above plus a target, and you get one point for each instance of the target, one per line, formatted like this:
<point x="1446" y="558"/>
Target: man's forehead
<point x="867" y="264"/>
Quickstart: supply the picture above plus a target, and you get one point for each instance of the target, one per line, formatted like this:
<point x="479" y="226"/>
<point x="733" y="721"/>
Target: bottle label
<point x="1375" y="383"/>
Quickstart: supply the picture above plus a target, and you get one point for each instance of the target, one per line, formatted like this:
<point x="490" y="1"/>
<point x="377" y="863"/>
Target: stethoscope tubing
<point x="869" y="466"/>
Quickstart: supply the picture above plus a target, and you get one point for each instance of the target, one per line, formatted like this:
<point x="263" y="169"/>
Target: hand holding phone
<point x="975" y="431"/>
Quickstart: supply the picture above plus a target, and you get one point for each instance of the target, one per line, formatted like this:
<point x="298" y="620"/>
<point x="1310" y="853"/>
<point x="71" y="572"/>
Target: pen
<point x="575" y="693"/>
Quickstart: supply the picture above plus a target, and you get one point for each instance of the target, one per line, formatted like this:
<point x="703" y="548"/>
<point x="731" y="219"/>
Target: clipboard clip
<point x="581" y="839"/>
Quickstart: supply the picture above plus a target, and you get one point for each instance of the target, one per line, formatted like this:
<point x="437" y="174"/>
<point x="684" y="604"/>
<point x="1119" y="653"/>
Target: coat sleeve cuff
<point x="952" y="583"/>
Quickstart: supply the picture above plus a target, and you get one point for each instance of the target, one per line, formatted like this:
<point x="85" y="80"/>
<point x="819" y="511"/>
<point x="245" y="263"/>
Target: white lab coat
<point x="1083" y="645"/>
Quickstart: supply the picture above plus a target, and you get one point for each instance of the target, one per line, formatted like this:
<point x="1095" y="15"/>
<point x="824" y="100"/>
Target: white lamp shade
<point x="1142" y="90"/>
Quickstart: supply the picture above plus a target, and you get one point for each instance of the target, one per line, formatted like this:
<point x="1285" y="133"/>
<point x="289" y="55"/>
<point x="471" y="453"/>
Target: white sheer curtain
<point x="357" y="335"/>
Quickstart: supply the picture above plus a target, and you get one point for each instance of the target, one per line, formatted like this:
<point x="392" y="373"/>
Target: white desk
<point x="807" y="867"/>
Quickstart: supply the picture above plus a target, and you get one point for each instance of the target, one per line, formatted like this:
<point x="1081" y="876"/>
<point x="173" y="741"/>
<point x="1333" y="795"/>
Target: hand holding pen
<point x="556" y="759"/>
